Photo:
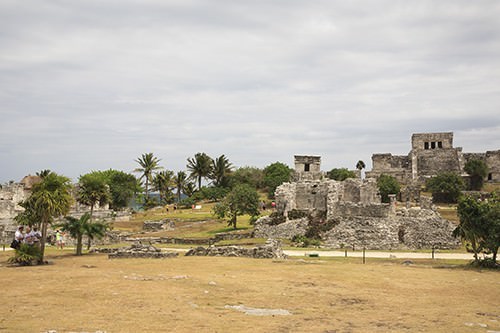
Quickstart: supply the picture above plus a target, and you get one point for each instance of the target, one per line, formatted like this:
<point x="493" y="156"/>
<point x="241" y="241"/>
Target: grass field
<point x="192" y="294"/>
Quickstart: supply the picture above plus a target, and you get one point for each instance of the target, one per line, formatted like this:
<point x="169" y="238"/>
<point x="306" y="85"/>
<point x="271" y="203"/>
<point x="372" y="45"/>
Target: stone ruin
<point x="430" y="154"/>
<point x="350" y="213"/>
<point x="271" y="249"/>
<point x="139" y="250"/>
<point x="165" y="224"/>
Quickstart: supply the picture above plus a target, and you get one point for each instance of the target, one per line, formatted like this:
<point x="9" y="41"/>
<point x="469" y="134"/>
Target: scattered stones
<point x="89" y="266"/>
<point x="259" y="312"/>
<point x="407" y="262"/>
<point x="212" y="283"/>
<point x="139" y="250"/>
<point x="272" y="249"/>
<point x="179" y="277"/>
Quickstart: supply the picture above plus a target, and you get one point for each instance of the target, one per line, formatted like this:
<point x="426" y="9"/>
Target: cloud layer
<point x="91" y="85"/>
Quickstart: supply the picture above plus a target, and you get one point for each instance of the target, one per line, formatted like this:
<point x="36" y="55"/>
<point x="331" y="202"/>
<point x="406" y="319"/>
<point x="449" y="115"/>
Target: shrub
<point x="276" y="218"/>
<point x="26" y="255"/>
<point x="387" y="185"/>
<point x="340" y="174"/>
<point x="295" y="214"/>
<point x="445" y="187"/>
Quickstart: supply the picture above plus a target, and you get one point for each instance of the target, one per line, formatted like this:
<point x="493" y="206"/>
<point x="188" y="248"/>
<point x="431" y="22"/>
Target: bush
<point x="387" y="185"/>
<point x="445" y="187"/>
<point x="295" y="214"/>
<point x="340" y="174"/>
<point x="304" y="241"/>
<point x="187" y="202"/>
<point x="26" y="255"/>
<point x="276" y="218"/>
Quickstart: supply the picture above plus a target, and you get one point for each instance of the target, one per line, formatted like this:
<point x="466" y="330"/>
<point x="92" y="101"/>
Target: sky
<point x="93" y="84"/>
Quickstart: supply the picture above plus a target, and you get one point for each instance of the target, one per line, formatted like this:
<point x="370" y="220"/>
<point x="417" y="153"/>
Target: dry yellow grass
<point x="189" y="294"/>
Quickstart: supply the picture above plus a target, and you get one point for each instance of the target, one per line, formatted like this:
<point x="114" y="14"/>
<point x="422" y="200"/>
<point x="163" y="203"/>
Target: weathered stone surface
<point x="285" y="230"/>
<point x="139" y="250"/>
<point x="272" y="249"/>
<point x="165" y="224"/>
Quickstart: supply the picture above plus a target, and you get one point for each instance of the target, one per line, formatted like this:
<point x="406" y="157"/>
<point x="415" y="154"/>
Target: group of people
<point x="31" y="236"/>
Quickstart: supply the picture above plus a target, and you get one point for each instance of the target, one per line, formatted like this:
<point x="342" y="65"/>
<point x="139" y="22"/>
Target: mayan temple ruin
<point x="431" y="153"/>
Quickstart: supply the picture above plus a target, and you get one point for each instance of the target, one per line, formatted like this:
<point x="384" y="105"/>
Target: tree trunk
<point x="199" y="182"/>
<point x="42" y="241"/>
<point x="79" y="245"/>
<point x="89" y="242"/>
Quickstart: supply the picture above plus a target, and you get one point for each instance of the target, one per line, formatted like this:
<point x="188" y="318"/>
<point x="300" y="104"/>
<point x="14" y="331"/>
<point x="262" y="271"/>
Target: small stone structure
<point x="431" y="153"/>
<point x="272" y="249"/>
<point x="139" y="250"/>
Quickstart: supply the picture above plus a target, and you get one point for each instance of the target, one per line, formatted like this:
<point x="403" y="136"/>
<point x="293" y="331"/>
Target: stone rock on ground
<point x="139" y="250"/>
<point x="272" y="249"/>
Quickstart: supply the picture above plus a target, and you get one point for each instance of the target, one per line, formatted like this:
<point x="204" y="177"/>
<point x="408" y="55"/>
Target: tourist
<point x="59" y="240"/>
<point x="37" y="234"/>
<point x="28" y="237"/>
<point x="18" y="238"/>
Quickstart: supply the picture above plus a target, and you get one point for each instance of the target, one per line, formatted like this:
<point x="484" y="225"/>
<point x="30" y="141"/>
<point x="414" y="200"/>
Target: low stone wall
<point x="7" y="229"/>
<point x="194" y="241"/>
<point x="272" y="249"/>
<point x="139" y="250"/>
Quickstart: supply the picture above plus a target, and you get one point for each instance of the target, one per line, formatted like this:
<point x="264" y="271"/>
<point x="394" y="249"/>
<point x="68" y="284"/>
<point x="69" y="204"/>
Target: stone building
<point x="430" y="154"/>
<point x="353" y="211"/>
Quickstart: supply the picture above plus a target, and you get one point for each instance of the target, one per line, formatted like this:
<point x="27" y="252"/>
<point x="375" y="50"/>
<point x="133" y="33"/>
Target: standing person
<point x="18" y="238"/>
<point x="59" y="240"/>
<point x="28" y="237"/>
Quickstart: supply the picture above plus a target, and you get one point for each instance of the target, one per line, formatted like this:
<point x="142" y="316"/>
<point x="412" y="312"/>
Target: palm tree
<point x="163" y="182"/>
<point x="43" y="173"/>
<point x="148" y="163"/>
<point x="94" y="229"/>
<point x="180" y="181"/>
<point x="76" y="228"/>
<point x="199" y="167"/>
<point x="92" y="190"/>
<point x="221" y="168"/>
<point x="49" y="199"/>
<point x="360" y="165"/>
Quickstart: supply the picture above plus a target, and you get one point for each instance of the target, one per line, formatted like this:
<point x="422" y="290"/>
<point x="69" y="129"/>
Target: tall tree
<point x="477" y="171"/>
<point x="180" y="181"/>
<point x="148" y="163"/>
<point x="94" y="229"/>
<point x="276" y="174"/>
<point x="243" y="199"/>
<point x="199" y="167"/>
<point x="43" y="173"/>
<point x="221" y="169"/>
<point x="75" y="227"/>
<point x="49" y="199"/>
<point x="122" y="186"/>
<point x="92" y="190"/>
<point x="163" y="182"/>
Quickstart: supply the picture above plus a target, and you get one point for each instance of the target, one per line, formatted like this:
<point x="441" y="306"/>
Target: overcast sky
<point x="91" y="85"/>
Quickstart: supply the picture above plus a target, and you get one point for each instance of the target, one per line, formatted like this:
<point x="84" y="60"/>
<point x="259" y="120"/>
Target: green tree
<point x="220" y="171"/>
<point x="242" y="199"/>
<point x="163" y="182"/>
<point x="122" y="186"/>
<point x="76" y="228"/>
<point x="340" y="174"/>
<point x="477" y="171"/>
<point x="94" y="230"/>
<point x="445" y="187"/>
<point x="148" y="164"/>
<point x="479" y="225"/>
<point x="199" y="167"/>
<point x="387" y="185"/>
<point x="92" y="189"/>
<point x="49" y="199"/>
<point x="276" y="174"/>
<point x="248" y="175"/>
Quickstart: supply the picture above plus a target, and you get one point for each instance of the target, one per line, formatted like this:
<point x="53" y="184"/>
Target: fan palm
<point x="199" y="167"/>
<point x="148" y="163"/>
<point x="221" y="168"/>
